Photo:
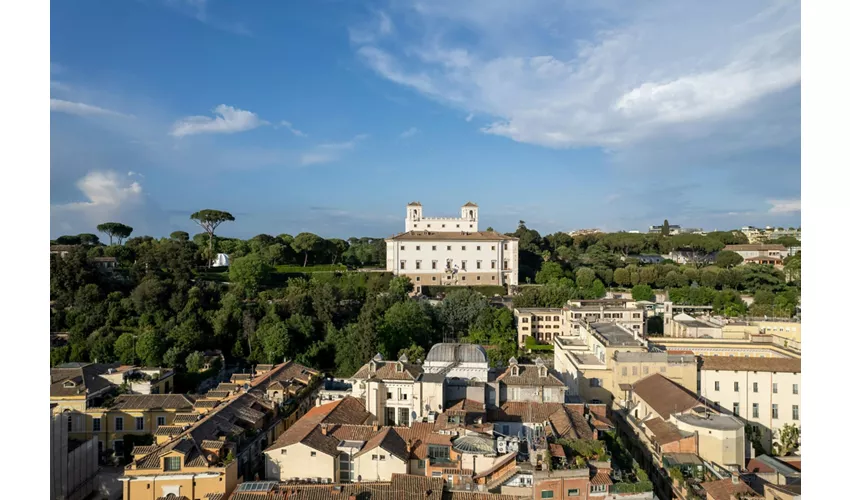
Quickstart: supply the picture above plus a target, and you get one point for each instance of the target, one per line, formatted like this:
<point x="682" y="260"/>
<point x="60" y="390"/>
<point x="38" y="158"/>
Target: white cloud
<point x="228" y="120"/>
<point x="409" y="133"/>
<point x="648" y="73"/>
<point x="108" y="195"/>
<point x="385" y="26"/>
<point x="784" y="206"/>
<point x="469" y="117"/>
<point x="292" y="129"/>
<point x="330" y="151"/>
<point x="81" y="109"/>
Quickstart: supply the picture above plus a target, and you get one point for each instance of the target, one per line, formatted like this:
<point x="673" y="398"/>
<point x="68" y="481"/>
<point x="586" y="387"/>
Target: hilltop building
<point x="450" y="251"/>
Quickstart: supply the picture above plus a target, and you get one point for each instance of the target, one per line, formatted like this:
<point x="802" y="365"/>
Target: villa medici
<point x="448" y="251"/>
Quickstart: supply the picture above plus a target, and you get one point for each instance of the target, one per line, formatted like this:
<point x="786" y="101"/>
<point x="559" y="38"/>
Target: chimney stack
<point x="375" y="426"/>
<point x="324" y="429"/>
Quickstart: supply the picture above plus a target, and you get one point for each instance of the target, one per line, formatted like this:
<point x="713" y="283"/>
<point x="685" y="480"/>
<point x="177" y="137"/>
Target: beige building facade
<point x="766" y="392"/>
<point x="546" y="323"/>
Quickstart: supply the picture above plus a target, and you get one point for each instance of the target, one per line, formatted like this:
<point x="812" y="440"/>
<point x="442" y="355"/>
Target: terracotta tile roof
<point x="388" y="370"/>
<point x="458" y="472"/>
<point x="468" y="495"/>
<point x="82" y="379"/>
<point x="418" y="433"/>
<point x="600" y="479"/>
<point x="401" y="487"/>
<point x="263" y="368"/>
<point x="464" y="405"/>
<point x="227" y="386"/>
<point x="143" y="450"/>
<point x="306" y="429"/>
<point x="529" y="375"/>
<point x="169" y="430"/>
<point x="216" y="394"/>
<point x="663" y="432"/>
<point x="212" y="444"/>
<point x="725" y="489"/>
<point x="452" y="235"/>
<point x="522" y="411"/>
<point x="731" y="363"/>
<point x="556" y="450"/>
<point x="153" y="401"/>
<point x="223" y="421"/>
<point x="206" y="403"/>
<point x="186" y="418"/>
<point x="214" y="496"/>
<point x="664" y="396"/>
<point x="389" y="440"/>
<point x="570" y="423"/>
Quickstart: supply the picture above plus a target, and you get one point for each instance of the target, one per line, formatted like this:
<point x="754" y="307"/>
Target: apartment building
<point x="686" y="326"/>
<point x="232" y="424"/>
<point x="763" y="391"/>
<point x="585" y="362"/>
<point x="544" y="323"/>
<point x="667" y="418"/>
<point x="395" y="391"/>
<point x="451" y="251"/>
<point x="533" y="383"/>
<point x="541" y="323"/>
<point x="746" y="346"/>
<point x="76" y="386"/>
<point x="761" y="253"/>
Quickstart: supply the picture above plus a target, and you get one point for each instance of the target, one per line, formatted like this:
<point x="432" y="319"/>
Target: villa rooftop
<point x="614" y="334"/>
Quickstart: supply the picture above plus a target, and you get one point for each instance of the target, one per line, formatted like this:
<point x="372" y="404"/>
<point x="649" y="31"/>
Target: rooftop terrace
<point x="614" y="335"/>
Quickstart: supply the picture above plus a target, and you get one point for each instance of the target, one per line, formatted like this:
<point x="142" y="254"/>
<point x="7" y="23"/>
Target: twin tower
<point x="467" y="222"/>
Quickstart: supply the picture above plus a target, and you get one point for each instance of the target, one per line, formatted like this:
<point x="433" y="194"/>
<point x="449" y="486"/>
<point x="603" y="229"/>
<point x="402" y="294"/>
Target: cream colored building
<point x="452" y="252"/>
<point x="546" y="323"/>
<point x="542" y="323"/>
<point x="763" y="391"/>
<point x="687" y="326"/>
<point x="753" y="346"/>
<point x="585" y="362"/>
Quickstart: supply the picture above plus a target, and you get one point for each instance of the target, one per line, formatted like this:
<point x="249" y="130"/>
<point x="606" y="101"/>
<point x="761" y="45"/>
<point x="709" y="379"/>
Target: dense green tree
<point x="622" y="277"/>
<point x="665" y="228"/>
<point x="585" y="277"/>
<point x="68" y="240"/>
<point x="598" y="290"/>
<point x="209" y="220"/>
<point x="88" y="239"/>
<point x="643" y="292"/>
<point x="459" y="309"/>
<point x="306" y="243"/>
<point x="150" y="347"/>
<point x="403" y="324"/>
<point x="195" y="362"/>
<point x="414" y="353"/>
<point x="249" y="272"/>
<point x="727" y="259"/>
<point x="179" y="236"/>
<point x="125" y="349"/>
<point x="550" y="271"/>
<point x="275" y="341"/>
<point x="115" y="231"/>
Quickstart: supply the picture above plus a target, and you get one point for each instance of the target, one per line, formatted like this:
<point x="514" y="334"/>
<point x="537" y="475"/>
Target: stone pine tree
<point x="115" y="230"/>
<point x="665" y="228"/>
<point x="209" y="220"/>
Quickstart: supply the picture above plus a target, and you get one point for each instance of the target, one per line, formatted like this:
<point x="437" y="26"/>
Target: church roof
<point x="470" y="204"/>
<point x="414" y="203"/>
<point x="463" y="353"/>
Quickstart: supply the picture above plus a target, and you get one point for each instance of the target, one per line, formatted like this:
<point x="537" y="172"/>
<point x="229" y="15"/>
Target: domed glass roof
<point x="464" y="353"/>
<point x="475" y="444"/>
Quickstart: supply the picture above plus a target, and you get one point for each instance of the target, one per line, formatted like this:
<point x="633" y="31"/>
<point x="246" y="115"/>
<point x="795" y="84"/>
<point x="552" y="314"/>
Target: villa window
<point x="418" y="264"/>
<point x="795" y="389"/>
<point x="448" y="247"/>
<point x="774" y="410"/>
<point x="160" y="421"/>
<point x="434" y="248"/>
<point x="95" y="425"/>
<point x="736" y="409"/>
<point x="402" y="247"/>
<point x="755" y="387"/>
<point x="119" y="423"/>
<point x="402" y="264"/>
<point x="478" y="247"/>
<point x="716" y="385"/>
<point x="433" y="264"/>
<point x="171" y="463"/>
<point x="463" y="247"/>
<point x="795" y="412"/>
<point x="417" y="247"/>
<point x="775" y="388"/>
<point x="755" y="410"/>
<point x="312" y="453"/>
<point x="736" y="386"/>
<point x="492" y="264"/>
<point x="140" y="423"/>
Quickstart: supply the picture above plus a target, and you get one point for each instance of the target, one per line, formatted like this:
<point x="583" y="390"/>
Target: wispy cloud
<point x="784" y="206"/>
<point x="330" y="151"/>
<point x="199" y="10"/>
<point x="82" y="109"/>
<point x="616" y="87"/>
<point x="228" y="120"/>
<point x="285" y="124"/>
<point x="409" y="133"/>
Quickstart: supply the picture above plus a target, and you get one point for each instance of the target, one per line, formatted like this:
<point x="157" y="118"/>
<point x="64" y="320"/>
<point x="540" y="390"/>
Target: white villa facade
<point x="446" y="251"/>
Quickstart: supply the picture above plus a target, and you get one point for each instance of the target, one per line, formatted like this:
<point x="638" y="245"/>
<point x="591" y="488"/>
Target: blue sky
<point x="329" y="116"/>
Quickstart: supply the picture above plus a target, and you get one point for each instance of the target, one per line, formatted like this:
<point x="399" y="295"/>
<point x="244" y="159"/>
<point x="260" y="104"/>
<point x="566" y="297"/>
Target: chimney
<point x="735" y="479"/>
<point x="375" y="426"/>
<point x="324" y="429"/>
<point x="409" y="445"/>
